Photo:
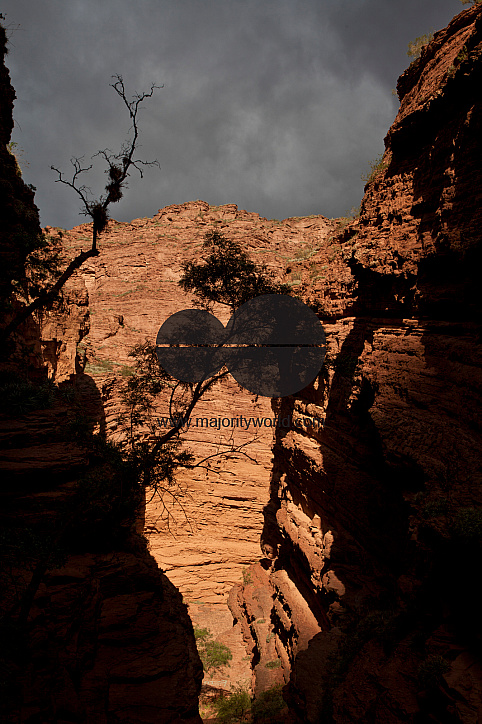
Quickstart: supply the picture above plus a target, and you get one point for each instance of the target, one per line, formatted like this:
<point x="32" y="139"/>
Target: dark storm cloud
<point x="276" y="105"/>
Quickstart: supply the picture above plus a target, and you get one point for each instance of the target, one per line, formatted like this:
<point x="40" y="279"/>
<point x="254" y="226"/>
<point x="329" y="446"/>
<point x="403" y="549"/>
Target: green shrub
<point x="463" y="55"/>
<point x="266" y="709"/>
<point x="431" y="670"/>
<point x="126" y="371"/>
<point x="349" y="217"/>
<point x="99" y="367"/>
<point x="202" y="634"/>
<point x="434" y="508"/>
<point x="15" y="151"/>
<point x="247" y="576"/>
<point x="376" y="167"/>
<point x="19" y="396"/>
<point x="235" y="707"/>
<point x="467" y="526"/>
<point x="274" y="664"/>
<point x="216" y="656"/>
<point x="213" y="654"/>
<point x="78" y="427"/>
<point x="415" y="46"/>
<point x="304" y="253"/>
<point x="67" y="392"/>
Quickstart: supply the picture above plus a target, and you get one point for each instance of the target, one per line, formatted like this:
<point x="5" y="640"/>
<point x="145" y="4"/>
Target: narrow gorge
<point x="337" y="557"/>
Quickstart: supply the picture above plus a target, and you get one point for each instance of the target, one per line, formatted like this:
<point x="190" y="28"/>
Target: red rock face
<point x="367" y="516"/>
<point x="133" y="289"/>
<point x="367" y="592"/>
<point x="105" y="635"/>
<point x="206" y="529"/>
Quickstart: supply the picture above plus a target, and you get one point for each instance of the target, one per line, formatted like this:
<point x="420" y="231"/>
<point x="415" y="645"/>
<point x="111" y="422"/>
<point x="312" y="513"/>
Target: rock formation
<point x="365" y="603"/>
<point x="90" y="629"/>
<point x="132" y="291"/>
<point x="206" y="529"/>
<point x="374" y="522"/>
<point x="20" y="221"/>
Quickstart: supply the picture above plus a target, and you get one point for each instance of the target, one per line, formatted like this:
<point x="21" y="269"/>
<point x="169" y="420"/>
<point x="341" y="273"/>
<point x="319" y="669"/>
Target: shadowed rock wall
<point x="374" y="522"/>
<point x="105" y="635"/>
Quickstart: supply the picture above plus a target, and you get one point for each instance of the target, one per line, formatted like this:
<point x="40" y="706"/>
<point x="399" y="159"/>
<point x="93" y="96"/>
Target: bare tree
<point x="118" y="166"/>
<point x="226" y="276"/>
<point x="157" y="457"/>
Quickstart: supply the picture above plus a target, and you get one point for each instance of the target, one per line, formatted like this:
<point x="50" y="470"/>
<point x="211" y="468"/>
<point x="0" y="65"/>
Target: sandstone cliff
<point x="132" y="291"/>
<point x="204" y="530"/>
<point x="91" y="630"/>
<point x="365" y="603"/>
<point x="368" y="595"/>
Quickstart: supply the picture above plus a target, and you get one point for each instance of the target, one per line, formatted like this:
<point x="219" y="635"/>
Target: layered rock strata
<point x="88" y="633"/>
<point x="207" y="529"/>
<point x="204" y="530"/>
<point x="370" y="516"/>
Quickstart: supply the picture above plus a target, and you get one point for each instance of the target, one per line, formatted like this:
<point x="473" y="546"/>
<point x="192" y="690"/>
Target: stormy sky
<point x="278" y="106"/>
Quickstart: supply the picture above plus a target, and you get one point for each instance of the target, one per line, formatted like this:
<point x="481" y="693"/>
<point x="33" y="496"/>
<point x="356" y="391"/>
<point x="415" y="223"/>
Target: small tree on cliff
<point x="118" y="166"/>
<point x="415" y="46"/>
<point x="227" y="276"/>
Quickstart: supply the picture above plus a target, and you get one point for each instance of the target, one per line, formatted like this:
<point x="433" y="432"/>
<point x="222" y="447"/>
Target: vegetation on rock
<point x="227" y="276"/>
<point x="415" y="46"/>
<point x="239" y="706"/>
<point x="38" y="252"/>
<point x="214" y="654"/>
<point x="376" y="167"/>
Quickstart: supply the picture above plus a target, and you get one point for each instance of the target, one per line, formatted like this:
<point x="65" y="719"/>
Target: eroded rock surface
<point x="205" y="535"/>
<point x="205" y="530"/>
<point x="89" y="632"/>
<point x="368" y="515"/>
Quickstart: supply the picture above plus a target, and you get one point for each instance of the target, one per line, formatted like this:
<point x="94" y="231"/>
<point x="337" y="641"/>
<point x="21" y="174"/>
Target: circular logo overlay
<point x="273" y="345"/>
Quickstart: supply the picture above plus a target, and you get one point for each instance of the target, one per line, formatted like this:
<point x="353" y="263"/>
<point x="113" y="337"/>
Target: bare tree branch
<point x="43" y="299"/>
<point x="226" y="453"/>
<point x="118" y="171"/>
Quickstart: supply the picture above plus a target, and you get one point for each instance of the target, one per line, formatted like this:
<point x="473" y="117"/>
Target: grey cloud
<point x="278" y="106"/>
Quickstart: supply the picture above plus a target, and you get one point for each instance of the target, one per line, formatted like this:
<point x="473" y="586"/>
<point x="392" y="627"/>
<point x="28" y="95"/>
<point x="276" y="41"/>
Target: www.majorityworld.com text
<point x="219" y="423"/>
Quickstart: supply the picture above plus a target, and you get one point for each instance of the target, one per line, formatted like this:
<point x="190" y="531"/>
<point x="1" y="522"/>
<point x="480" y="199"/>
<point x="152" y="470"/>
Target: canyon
<point x="203" y="532"/>
<point x="367" y="517"/>
<point x="337" y="558"/>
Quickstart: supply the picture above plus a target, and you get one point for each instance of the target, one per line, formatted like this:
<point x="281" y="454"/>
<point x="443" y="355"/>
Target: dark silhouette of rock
<point x="376" y="519"/>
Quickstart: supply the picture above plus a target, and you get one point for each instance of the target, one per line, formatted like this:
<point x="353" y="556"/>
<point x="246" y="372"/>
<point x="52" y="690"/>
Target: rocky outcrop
<point x="104" y="636"/>
<point x="109" y="640"/>
<point x="90" y="629"/>
<point x="204" y="530"/>
<point x="46" y="343"/>
<point x="370" y="516"/>
<point x="20" y="221"/>
<point x="133" y="289"/>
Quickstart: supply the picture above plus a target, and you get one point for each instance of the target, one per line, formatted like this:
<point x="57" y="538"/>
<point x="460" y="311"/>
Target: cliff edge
<point x="91" y="630"/>
<point x="372" y="536"/>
